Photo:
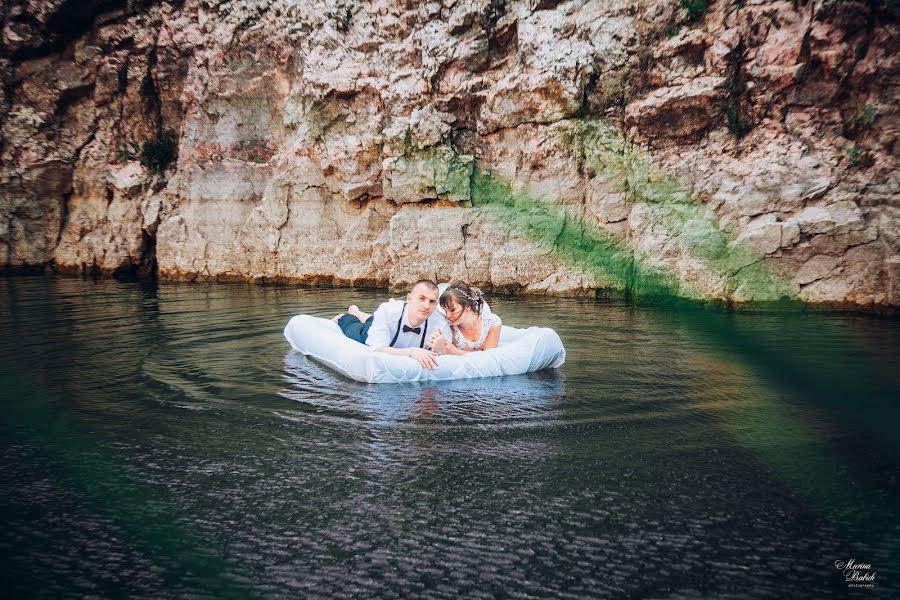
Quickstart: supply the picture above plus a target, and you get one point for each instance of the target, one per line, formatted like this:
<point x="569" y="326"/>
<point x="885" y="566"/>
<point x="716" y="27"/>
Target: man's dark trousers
<point x="355" y="329"/>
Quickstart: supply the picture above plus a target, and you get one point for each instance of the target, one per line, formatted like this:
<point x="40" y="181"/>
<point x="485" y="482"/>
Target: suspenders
<point x="400" y="326"/>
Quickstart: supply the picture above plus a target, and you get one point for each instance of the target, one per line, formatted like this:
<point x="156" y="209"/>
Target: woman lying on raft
<point x="473" y="328"/>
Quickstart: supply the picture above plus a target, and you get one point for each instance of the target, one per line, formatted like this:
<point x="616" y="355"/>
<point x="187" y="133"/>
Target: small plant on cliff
<point x="737" y="124"/>
<point x="857" y="156"/>
<point x="159" y="151"/>
<point x="853" y="155"/>
<point x="860" y="122"/>
<point x="868" y="115"/>
<point x="695" y="8"/>
<point x="128" y="152"/>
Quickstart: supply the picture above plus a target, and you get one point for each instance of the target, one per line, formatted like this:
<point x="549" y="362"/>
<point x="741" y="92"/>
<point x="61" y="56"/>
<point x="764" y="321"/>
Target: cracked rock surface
<point x="338" y="141"/>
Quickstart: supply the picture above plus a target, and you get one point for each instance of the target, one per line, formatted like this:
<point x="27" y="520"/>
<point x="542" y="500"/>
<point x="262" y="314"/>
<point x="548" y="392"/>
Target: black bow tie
<point x="416" y="330"/>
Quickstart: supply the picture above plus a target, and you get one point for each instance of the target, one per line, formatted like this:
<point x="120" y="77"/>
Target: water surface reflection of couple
<point x="517" y="401"/>
<point x="465" y="323"/>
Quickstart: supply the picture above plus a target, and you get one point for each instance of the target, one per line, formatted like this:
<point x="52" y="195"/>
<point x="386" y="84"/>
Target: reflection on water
<point x="164" y="441"/>
<point x="530" y="400"/>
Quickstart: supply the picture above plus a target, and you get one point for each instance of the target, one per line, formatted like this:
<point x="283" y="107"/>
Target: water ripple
<point x="162" y="441"/>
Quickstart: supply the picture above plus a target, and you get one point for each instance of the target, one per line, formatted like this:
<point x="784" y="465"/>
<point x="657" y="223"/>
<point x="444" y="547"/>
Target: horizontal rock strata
<point x="748" y="153"/>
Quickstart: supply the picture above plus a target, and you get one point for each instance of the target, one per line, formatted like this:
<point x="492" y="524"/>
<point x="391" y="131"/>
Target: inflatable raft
<point x="520" y="351"/>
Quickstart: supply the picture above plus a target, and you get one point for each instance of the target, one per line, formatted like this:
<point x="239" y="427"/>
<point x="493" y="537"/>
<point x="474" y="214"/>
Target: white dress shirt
<point x="384" y="326"/>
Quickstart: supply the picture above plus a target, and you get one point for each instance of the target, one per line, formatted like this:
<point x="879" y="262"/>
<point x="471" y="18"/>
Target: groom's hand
<point x="426" y="358"/>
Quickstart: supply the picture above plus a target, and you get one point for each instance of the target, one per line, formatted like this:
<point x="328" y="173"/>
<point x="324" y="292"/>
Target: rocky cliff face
<point x="744" y="150"/>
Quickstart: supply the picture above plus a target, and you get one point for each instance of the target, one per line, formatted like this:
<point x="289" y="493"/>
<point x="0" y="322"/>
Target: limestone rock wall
<point x="352" y="142"/>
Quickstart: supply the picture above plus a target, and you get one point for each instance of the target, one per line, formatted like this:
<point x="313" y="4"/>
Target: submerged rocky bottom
<point x="162" y="441"/>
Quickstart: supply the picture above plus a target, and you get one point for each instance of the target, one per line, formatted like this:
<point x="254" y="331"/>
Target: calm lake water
<point x="163" y="441"/>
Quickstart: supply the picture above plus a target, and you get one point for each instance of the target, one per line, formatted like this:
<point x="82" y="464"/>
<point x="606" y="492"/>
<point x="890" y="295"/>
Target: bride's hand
<point x="437" y="341"/>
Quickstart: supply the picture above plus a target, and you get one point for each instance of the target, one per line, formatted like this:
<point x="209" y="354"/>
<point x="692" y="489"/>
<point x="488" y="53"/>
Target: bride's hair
<point x="464" y="295"/>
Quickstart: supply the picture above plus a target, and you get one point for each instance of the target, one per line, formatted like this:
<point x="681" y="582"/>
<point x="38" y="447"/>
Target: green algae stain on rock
<point x="700" y="259"/>
<point x="436" y="173"/>
<point x="569" y="237"/>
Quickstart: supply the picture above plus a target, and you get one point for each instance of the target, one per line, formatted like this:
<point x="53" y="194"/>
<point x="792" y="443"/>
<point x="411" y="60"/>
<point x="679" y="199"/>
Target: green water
<point x="162" y="441"/>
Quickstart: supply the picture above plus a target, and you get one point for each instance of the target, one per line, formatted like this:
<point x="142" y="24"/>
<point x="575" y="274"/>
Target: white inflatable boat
<point x="520" y="351"/>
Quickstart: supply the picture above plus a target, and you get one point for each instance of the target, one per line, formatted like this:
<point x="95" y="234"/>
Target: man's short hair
<point x="429" y="284"/>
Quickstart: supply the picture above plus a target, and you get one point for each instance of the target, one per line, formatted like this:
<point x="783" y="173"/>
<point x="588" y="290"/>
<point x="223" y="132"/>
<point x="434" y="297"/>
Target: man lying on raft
<point x="401" y="328"/>
<point x="471" y="324"/>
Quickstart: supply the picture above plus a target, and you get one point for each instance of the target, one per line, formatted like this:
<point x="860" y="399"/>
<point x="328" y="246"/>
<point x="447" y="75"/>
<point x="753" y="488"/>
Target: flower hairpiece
<point x="476" y="293"/>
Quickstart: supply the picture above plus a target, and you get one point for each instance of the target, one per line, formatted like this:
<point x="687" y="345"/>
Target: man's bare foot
<point x="336" y="318"/>
<point x="354" y="310"/>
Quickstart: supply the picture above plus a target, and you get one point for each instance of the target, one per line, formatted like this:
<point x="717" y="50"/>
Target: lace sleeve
<point x="488" y="322"/>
